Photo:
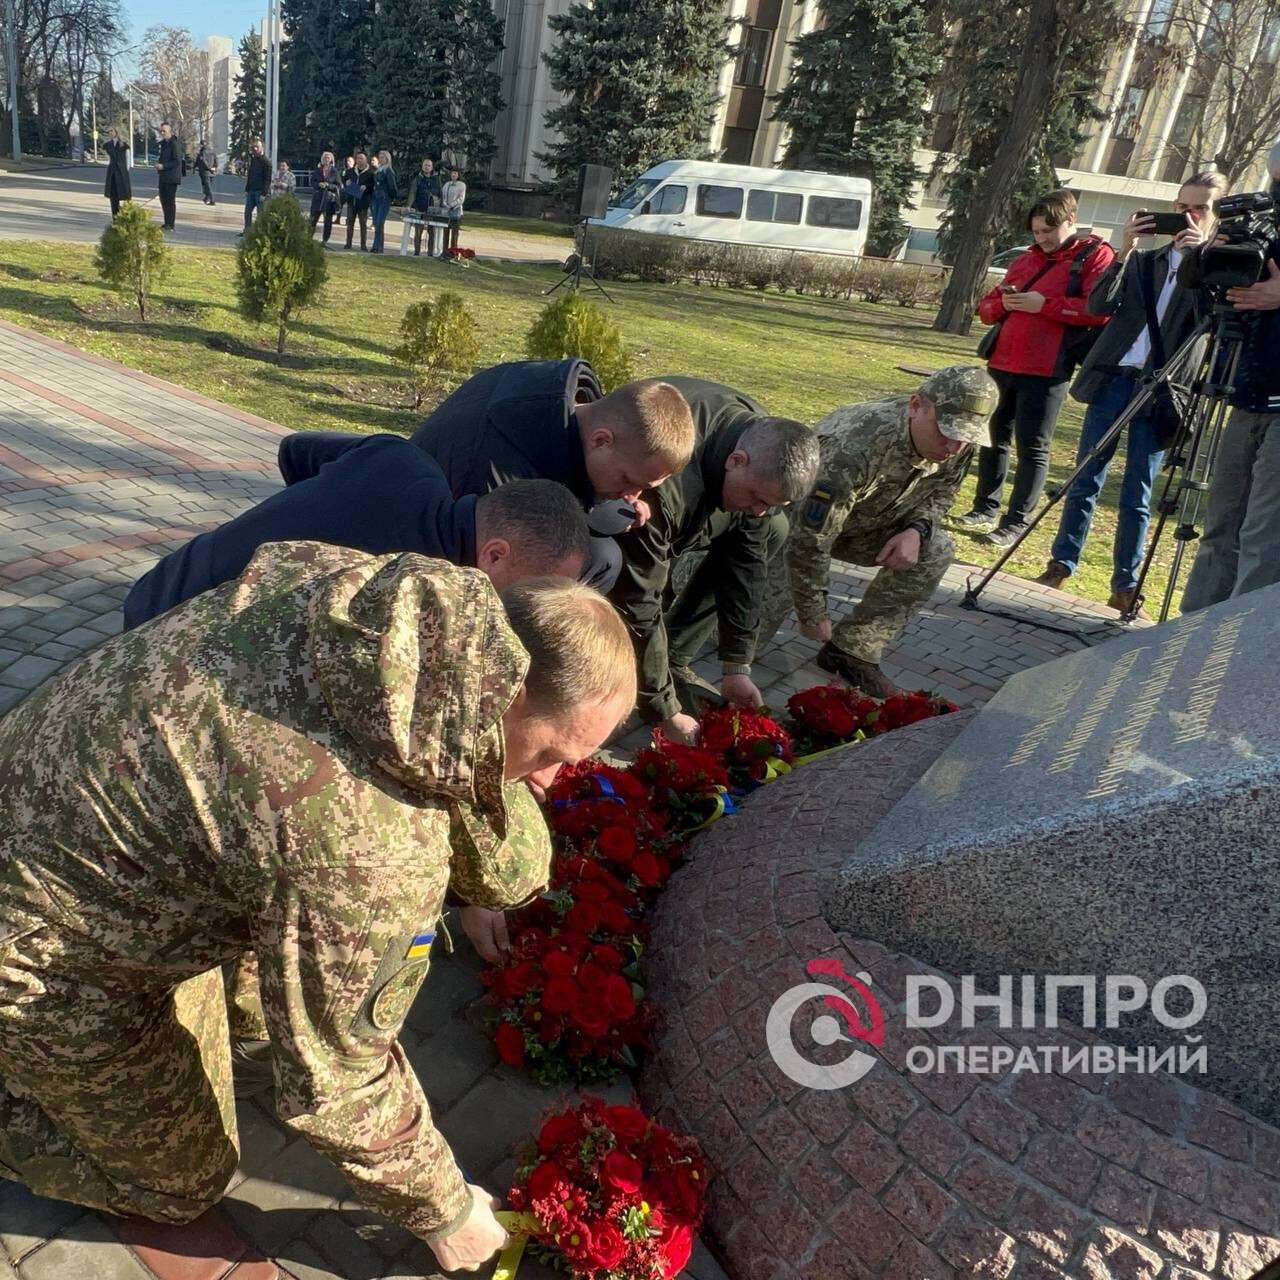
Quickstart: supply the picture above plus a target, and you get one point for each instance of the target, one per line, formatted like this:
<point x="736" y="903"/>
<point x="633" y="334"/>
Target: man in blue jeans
<point x="1113" y="374"/>
<point x="257" y="182"/>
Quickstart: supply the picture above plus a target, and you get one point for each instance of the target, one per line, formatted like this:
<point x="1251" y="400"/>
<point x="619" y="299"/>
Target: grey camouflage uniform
<point x="872" y="484"/>
<point x="296" y="763"/>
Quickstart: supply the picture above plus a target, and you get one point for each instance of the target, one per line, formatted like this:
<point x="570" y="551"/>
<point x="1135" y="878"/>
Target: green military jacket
<point x="870" y="478"/>
<point x="299" y="763"/>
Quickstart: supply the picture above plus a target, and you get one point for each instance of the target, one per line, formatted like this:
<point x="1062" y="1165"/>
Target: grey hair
<point x="541" y="520"/>
<point x="784" y="452"/>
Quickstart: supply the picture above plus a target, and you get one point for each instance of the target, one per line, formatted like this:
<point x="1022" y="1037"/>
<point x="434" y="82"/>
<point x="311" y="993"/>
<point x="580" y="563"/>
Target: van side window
<point x="829" y="211"/>
<point x="773" y="206"/>
<point x="669" y="200"/>
<point x="719" y="202"/>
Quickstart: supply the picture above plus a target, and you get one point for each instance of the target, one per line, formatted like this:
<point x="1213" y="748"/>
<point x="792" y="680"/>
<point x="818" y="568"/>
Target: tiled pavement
<point x="101" y="470"/>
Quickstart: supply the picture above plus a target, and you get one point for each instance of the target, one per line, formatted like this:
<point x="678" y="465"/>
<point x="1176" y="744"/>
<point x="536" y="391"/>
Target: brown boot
<point x="863" y="675"/>
<point x="1122" y="601"/>
<point x="1055" y="575"/>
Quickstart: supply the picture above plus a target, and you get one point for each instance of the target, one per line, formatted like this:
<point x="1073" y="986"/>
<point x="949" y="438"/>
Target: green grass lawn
<point x="800" y="356"/>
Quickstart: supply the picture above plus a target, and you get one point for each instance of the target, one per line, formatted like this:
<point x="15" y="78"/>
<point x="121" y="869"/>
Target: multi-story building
<point x="224" y="66"/>
<point x="1163" y="94"/>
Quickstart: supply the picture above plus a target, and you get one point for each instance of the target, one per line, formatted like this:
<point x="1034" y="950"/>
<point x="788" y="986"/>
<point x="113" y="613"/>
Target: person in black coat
<point x="345" y="201"/>
<point x="206" y="167"/>
<point x="377" y="494"/>
<point x="324" y="194"/>
<point x="257" y="182"/>
<point x="119" y="186"/>
<point x="169" y="174"/>
<point x="360" y="190"/>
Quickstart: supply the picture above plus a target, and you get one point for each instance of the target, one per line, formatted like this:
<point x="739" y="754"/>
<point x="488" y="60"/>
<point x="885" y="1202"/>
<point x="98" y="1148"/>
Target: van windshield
<point x="636" y="193"/>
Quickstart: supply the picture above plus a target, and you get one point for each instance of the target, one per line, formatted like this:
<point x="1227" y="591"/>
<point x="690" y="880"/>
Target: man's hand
<point x="741" y="691"/>
<point x="1263" y="296"/>
<point x="681" y="728"/>
<point x="1191" y="238"/>
<point x="902" y="551"/>
<point x="487" y="931"/>
<point x="1140" y="223"/>
<point x="1031" y="302"/>
<point x="642" y="513"/>
<point x="817" y="630"/>
<point x="477" y="1240"/>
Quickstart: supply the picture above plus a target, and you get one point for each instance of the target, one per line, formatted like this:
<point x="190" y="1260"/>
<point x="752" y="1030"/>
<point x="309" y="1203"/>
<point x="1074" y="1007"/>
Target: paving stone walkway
<point x="102" y="469"/>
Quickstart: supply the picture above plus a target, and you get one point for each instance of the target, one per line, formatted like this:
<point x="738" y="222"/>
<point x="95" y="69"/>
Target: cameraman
<point x="1240" y="549"/>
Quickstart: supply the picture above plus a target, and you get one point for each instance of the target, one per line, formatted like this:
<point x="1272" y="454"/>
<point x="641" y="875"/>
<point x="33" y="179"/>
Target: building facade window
<point x="753" y="57"/>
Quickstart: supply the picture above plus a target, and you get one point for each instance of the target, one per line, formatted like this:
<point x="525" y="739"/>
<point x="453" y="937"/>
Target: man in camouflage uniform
<point x="888" y="476"/>
<point x="298" y="763"/>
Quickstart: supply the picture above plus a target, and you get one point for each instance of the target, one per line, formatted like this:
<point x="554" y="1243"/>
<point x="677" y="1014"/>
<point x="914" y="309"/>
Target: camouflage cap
<point x="965" y="398"/>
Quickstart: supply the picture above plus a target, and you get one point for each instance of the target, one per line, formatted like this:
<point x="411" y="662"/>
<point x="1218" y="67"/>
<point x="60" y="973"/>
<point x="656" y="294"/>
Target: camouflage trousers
<point x="890" y="601"/>
<point x="113" y="1099"/>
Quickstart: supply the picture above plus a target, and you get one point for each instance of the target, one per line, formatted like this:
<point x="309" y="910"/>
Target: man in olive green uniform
<point x="297" y="763"/>
<point x="889" y="474"/>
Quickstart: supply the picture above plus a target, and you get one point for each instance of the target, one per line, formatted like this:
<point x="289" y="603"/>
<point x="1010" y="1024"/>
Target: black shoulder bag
<point x="1079" y="339"/>
<point x="1164" y="414"/>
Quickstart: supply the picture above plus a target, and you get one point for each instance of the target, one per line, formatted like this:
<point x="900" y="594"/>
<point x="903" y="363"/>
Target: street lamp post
<point x="11" y="57"/>
<point x="272" y="83"/>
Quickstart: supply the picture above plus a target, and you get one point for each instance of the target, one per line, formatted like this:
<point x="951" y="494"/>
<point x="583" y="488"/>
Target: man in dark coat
<point x="745" y="464"/>
<point x="119" y="187"/>
<point x="257" y="182"/>
<point x="377" y="494"/>
<point x="206" y="167"/>
<point x="169" y="174"/>
<point x="363" y="179"/>
<point x="548" y="418"/>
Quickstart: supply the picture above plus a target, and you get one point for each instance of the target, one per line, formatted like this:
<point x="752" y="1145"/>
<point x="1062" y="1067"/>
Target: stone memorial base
<point x="904" y="1174"/>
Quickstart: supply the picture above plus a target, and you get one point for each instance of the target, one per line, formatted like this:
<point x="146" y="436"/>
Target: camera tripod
<point x="1202" y="401"/>
<point x="576" y="266"/>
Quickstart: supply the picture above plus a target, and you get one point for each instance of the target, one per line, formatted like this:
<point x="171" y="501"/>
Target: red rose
<point x="647" y="869"/>
<point x="628" y="1123"/>
<point x="607" y="957"/>
<point x="558" y="964"/>
<point x="510" y="1043"/>
<point x="592" y="1020"/>
<point x="584" y="918"/>
<point x="559" y="1130"/>
<point x="619" y="998"/>
<point x="591" y="977"/>
<point x="559" y="995"/>
<point x="617" y="843"/>
<point x="622" y="1172"/>
<point x="608" y="1246"/>
<point x="676" y="1246"/>
<point x="549" y="1182"/>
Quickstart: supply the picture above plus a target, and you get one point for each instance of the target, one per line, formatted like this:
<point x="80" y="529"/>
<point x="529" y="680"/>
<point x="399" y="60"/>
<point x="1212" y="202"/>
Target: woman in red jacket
<point x="1040" y="308"/>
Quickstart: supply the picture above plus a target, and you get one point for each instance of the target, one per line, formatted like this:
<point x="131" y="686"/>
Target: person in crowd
<point x="119" y="186"/>
<point x="206" y="167"/>
<point x="453" y="197"/>
<point x="1041" y="313"/>
<point x="448" y="158"/>
<point x="550" y="419"/>
<point x="310" y="806"/>
<point x="377" y="494"/>
<point x="283" y="183"/>
<point x="349" y="175"/>
<point x="325" y="191"/>
<point x="256" y="183"/>
<point x="889" y="473"/>
<point x="745" y="465"/>
<point x="359" y="190"/>
<point x="1137" y="289"/>
<point x="425" y="196"/>
<point x="169" y="174"/>
<point x="385" y="191"/>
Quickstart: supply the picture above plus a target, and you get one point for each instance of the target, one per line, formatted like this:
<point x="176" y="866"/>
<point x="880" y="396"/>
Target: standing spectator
<point x="360" y="190"/>
<point x="348" y="176"/>
<point x="256" y="182"/>
<point x="448" y="158"/>
<point x="118" y="186"/>
<point x="206" y="167"/>
<point x="385" y="191"/>
<point x="324" y="194"/>
<point x="1032" y="358"/>
<point x="424" y="198"/>
<point x="283" y="183"/>
<point x="454" y="196"/>
<point x="169" y="174"/>
<point x="1132" y="289"/>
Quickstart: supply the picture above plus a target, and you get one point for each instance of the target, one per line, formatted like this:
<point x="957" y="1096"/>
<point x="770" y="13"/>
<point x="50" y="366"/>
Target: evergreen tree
<point x="435" y="84"/>
<point x="641" y="82"/>
<point x="248" y="107"/>
<point x="855" y="101"/>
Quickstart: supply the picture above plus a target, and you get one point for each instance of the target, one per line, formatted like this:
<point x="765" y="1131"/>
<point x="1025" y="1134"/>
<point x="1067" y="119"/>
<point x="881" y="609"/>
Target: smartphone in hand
<point x="1009" y="288"/>
<point x="1166" y="224"/>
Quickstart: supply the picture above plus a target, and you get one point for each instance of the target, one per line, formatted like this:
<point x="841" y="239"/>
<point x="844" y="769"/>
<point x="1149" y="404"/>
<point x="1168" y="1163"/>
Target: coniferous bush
<point x="436" y="339"/>
<point x="280" y="269"/>
<point x="572" y="326"/>
<point x="132" y="255"/>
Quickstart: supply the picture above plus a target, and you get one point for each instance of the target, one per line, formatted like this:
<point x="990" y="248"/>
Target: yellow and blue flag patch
<point x="420" y="947"/>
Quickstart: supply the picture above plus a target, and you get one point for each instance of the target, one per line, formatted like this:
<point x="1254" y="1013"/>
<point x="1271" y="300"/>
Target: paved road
<point x="67" y="203"/>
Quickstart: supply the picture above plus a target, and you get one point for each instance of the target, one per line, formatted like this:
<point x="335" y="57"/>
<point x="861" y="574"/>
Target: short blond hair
<point x="578" y="646"/>
<point x="651" y="419"/>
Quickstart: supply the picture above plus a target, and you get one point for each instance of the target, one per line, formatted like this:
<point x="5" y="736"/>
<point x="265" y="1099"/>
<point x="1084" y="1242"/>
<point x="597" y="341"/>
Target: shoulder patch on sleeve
<point x="817" y="508"/>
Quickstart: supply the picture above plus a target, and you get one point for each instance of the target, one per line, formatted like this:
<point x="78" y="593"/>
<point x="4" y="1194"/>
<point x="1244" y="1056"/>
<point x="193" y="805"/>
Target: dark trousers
<point x="451" y="236"/>
<point x="115" y="205"/>
<point x="328" y="222"/>
<point x="429" y="228"/>
<point x="1025" y="414"/>
<point x="252" y="202"/>
<point x="207" y="187"/>
<point x="691" y="615"/>
<point x="363" y="215"/>
<point x="169" y="202"/>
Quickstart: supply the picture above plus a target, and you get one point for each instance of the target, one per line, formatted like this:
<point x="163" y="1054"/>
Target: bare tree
<point x="176" y="75"/>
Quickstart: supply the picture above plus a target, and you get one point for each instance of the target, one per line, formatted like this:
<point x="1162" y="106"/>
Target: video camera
<point x="1250" y="225"/>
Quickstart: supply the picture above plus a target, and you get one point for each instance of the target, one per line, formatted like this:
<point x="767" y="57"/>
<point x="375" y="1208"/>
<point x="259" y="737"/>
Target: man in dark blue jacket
<point x="377" y="494"/>
<point x="549" y="418"/>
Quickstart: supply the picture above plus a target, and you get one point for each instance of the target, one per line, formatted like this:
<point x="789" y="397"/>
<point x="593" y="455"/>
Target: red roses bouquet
<point x="829" y="715"/>
<point x="615" y="1195"/>
<point x="749" y="742"/>
<point x="901" y="709"/>
<point x="684" y="782"/>
<point x="567" y="1010"/>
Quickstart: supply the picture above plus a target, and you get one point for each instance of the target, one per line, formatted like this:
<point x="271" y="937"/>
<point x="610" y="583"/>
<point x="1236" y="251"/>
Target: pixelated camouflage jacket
<point x="296" y="762"/>
<point x="871" y="480"/>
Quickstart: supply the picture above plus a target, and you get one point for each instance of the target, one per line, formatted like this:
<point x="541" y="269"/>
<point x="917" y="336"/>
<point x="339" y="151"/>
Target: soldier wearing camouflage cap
<point x="297" y="762"/>
<point x="888" y="476"/>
